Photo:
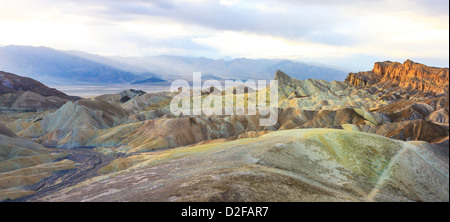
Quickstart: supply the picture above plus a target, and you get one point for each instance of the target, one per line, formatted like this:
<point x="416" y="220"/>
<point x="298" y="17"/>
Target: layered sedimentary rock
<point x="316" y="94"/>
<point x="407" y="75"/>
<point x="147" y="101"/>
<point x="410" y="130"/>
<point x="158" y="133"/>
<point x="24" y="163"/>
<point x="291" y="165"/>
<point x="121" y="97"/>
<point x="145" y="123"/>
<point x="19" y="93"/>
<point x="6" y="131"/>
<point x="11" y="83"/>
<point x="29" y="101"/>
<point x="75" y="121"/>
<point x="441" y="107"/>
<point x="414" y="91"/>
<point x="378" y="140"/>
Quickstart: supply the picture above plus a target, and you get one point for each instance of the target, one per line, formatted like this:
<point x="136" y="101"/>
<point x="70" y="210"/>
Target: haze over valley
<point x="103" y="101"/>
<point x="83" y="74"/>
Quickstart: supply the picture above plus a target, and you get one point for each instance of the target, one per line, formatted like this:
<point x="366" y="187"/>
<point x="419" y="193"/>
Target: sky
<point x="349" y="34"/>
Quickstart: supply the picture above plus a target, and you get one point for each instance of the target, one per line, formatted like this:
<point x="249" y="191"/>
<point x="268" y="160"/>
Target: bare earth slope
<point x="292" y="165"/>
<point x="24" y="163"/>
<point x="19" y="93"/>
<point x="12" y="83"/>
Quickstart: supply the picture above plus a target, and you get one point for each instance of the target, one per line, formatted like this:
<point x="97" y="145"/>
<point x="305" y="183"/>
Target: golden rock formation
<point x="408" y="75"/>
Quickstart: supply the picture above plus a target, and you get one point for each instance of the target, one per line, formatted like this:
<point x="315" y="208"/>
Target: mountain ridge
<point x="18" y="93"/>
<point x="407" y="75"/>
<point x="71" y="67"/>
<point x="54" y="67"/>
<point x="173" y="67"/>
<point x="12" y="83"/>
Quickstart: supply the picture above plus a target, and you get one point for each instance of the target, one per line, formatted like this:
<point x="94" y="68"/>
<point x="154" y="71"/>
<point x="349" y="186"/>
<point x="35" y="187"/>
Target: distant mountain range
<point x="172" y="67"/>
<point x="54" y="67"/>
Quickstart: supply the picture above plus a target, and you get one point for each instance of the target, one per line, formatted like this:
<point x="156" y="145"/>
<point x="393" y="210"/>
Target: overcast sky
<point x="352" y="34"/>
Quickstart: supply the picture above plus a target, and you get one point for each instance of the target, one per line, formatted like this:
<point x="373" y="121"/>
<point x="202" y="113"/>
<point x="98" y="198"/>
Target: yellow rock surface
<point x="25" y="163"/>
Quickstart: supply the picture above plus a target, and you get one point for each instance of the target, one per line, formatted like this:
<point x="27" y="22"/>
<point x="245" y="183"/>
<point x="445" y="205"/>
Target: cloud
<point x="266" y="18"/>
<point x="321" y="29"/>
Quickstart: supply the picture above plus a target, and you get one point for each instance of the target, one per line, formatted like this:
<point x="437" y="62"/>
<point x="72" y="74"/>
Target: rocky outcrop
<point x="435" y="110"/>
<point x="313" y="94"/>
<point x="410" y="130"/>
<point x="157" y="133"/>
<point x="147" y="101"/>
<point x="407" y="75"/>
<point x="75" y="119"/>
<point x="121" y="97"/>
<point x="84" y="114"/>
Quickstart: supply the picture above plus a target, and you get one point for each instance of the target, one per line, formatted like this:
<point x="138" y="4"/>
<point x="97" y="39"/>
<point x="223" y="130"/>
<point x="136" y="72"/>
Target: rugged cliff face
<point x="409" y="74"/>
